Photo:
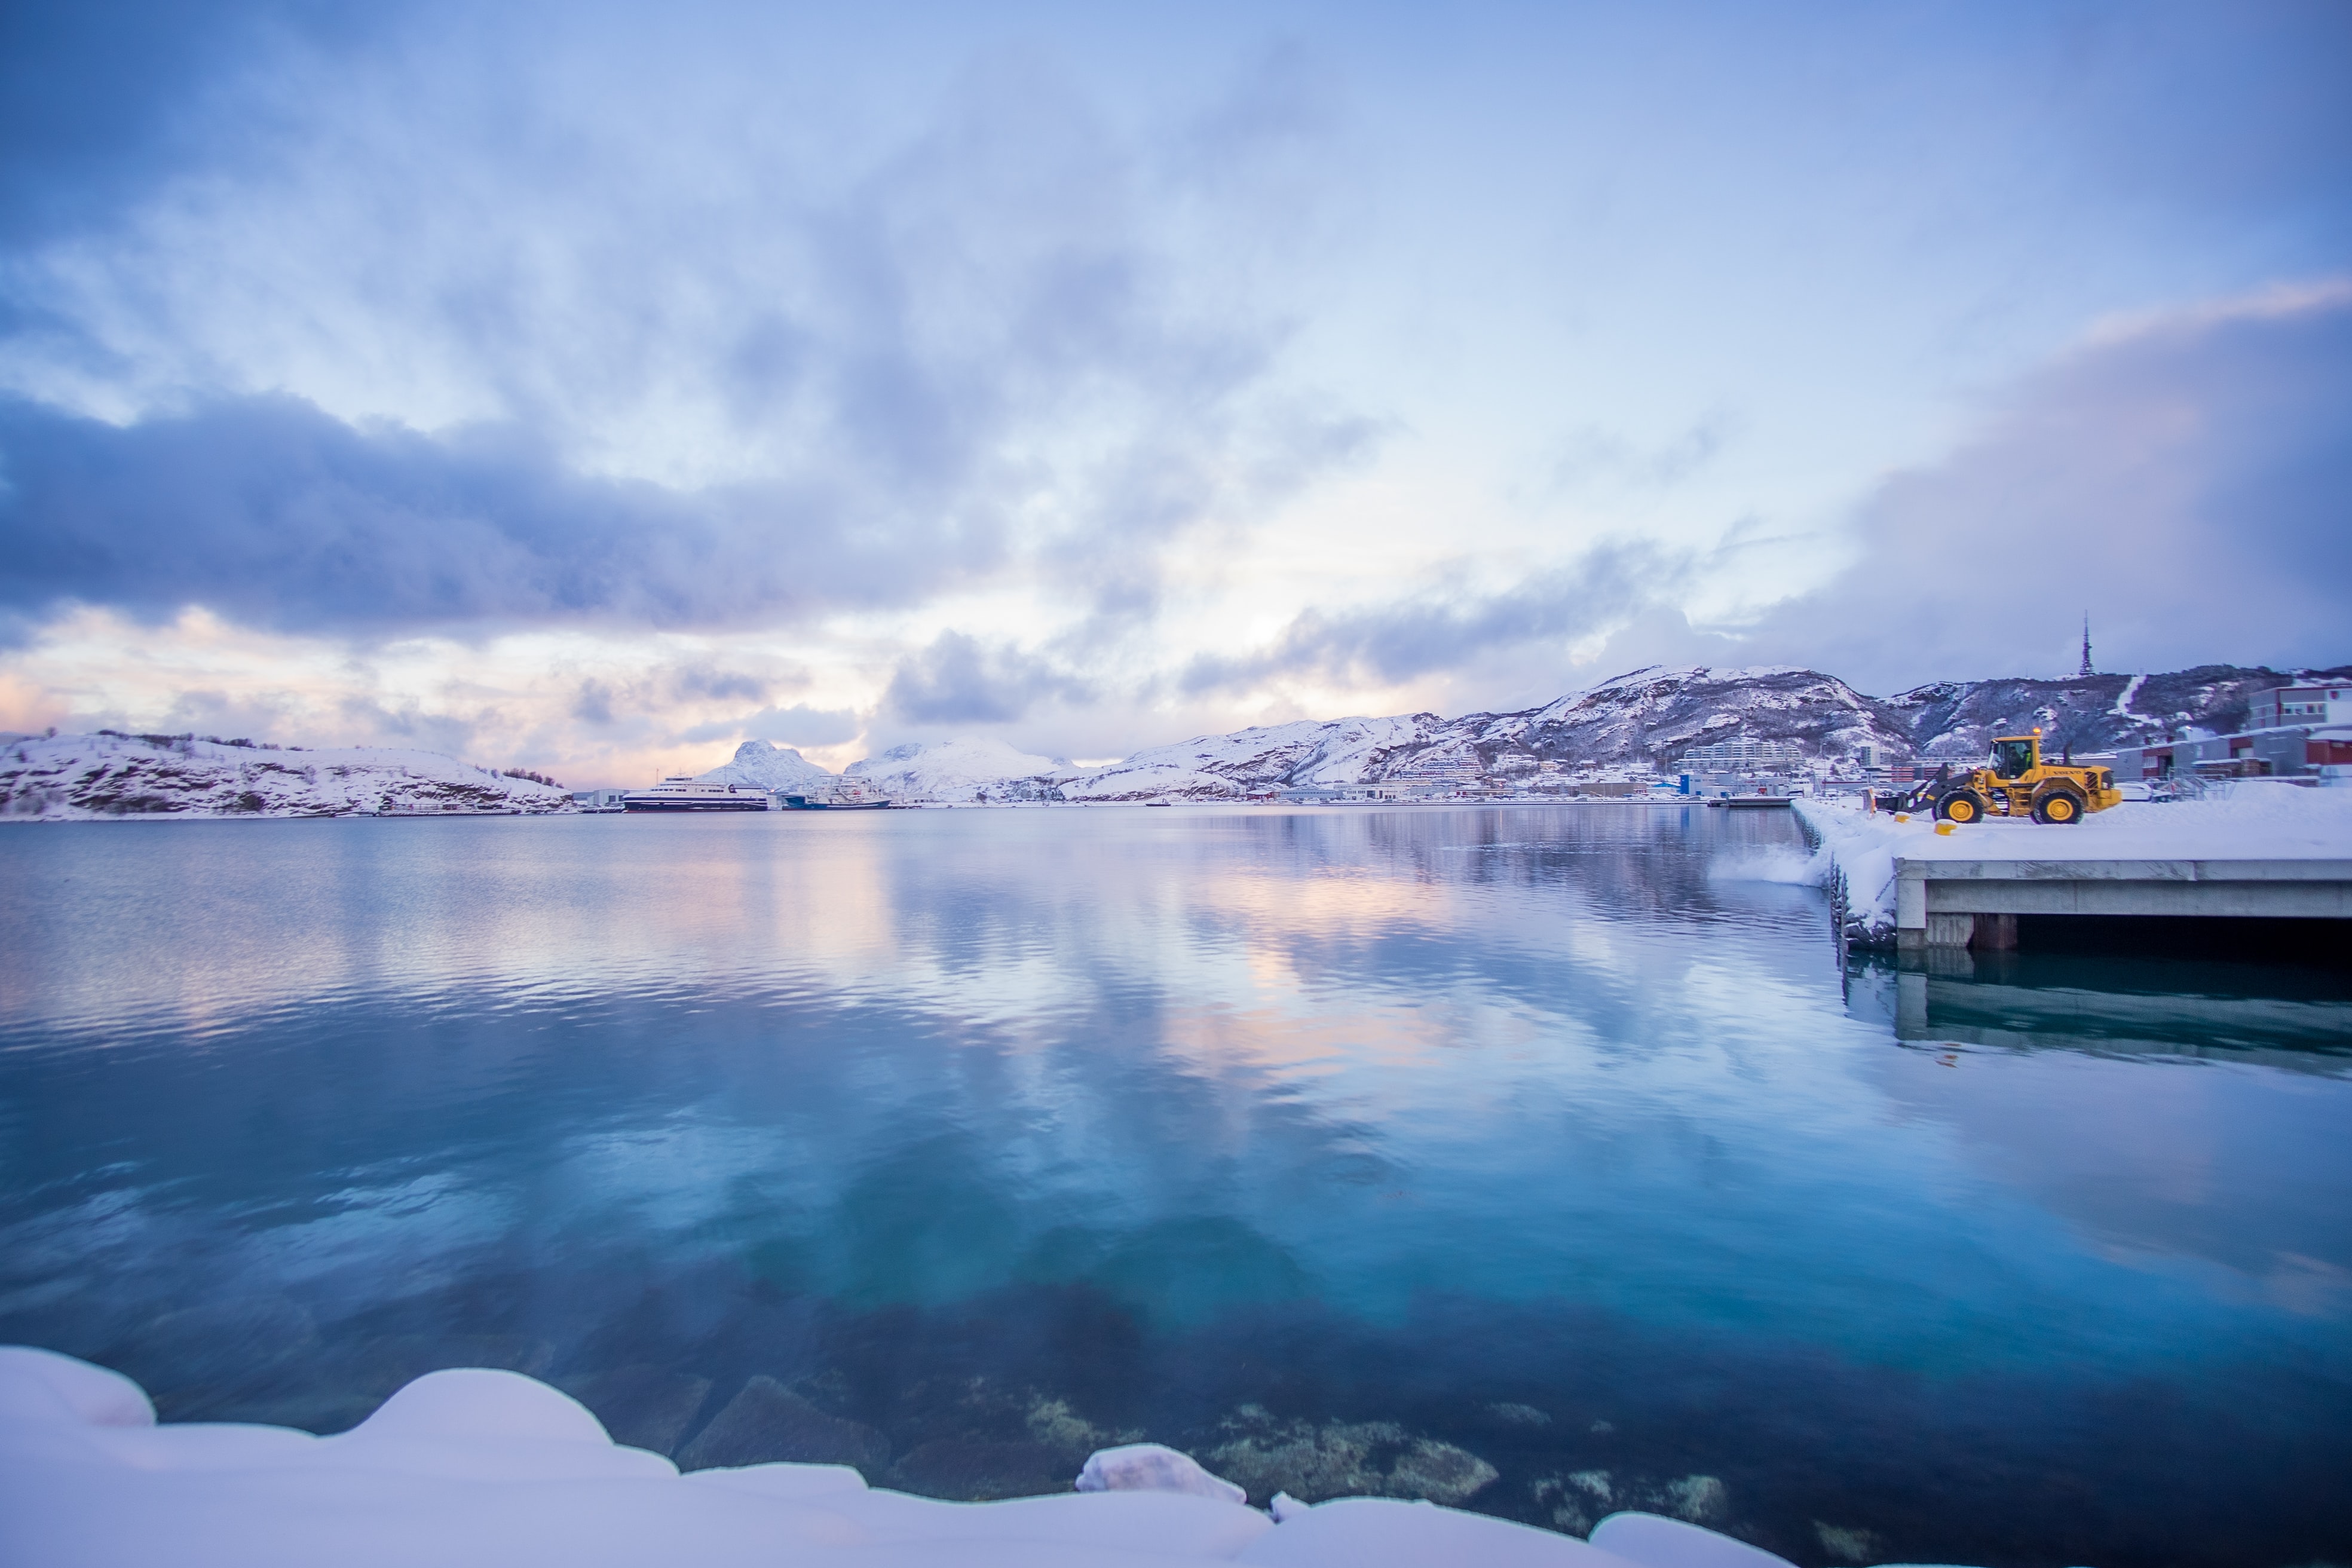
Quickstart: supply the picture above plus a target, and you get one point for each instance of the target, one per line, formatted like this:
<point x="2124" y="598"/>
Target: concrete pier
<point x="1947" y="901"/>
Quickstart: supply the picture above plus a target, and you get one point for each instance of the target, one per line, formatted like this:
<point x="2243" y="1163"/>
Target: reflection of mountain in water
<point x="2300" y="1019"/>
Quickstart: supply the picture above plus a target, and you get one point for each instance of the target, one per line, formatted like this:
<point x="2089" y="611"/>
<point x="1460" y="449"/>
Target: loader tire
<point x="2058" y="807"/>
<point x="1961" y="805"/>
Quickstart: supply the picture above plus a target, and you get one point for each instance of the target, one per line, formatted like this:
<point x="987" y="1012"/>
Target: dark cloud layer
<point x="958" y="680"/>
<point x="270" y="512"/>
<point x="98" y="98"/>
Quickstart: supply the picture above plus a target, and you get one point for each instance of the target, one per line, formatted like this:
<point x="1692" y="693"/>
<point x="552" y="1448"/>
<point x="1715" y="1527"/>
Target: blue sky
<point x="593" y="387"/>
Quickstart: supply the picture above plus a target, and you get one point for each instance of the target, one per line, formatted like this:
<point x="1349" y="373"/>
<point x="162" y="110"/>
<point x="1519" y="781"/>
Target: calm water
<point x="1349" y="1150"/>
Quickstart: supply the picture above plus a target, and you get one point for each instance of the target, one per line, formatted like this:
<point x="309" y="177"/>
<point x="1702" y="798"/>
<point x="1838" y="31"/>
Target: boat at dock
<point x="684" y="793"/>
<point x="846" y="796"/>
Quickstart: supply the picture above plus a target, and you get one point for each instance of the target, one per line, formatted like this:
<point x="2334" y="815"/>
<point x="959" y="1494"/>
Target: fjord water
<point x="1344" y="1148"/>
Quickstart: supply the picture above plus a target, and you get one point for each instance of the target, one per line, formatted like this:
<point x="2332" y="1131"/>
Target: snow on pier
<point x="2253" y="849"/>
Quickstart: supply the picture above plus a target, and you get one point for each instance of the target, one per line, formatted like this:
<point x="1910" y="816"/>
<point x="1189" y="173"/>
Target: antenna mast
<point x="2086" y="670"/>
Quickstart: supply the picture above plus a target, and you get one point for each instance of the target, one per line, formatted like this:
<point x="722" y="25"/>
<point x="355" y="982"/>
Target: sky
<point x="594" y="387"/>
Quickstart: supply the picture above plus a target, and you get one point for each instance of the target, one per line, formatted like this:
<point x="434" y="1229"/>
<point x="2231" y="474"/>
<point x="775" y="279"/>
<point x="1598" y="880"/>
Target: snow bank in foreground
<point x="493" y="1468"/>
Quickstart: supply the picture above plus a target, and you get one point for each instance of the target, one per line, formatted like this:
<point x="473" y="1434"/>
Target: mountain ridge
<point x="1649" y="718"/>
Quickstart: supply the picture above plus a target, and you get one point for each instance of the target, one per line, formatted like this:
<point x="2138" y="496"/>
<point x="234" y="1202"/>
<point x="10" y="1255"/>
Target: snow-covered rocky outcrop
<point x="470" y="1467"/>
<point x="763" y="766"/>
<point x="965" y="769"/>
<point x="64" y="778"/>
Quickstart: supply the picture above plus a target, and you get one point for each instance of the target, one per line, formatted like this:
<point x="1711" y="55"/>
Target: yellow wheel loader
<point x="2016" y="782"/>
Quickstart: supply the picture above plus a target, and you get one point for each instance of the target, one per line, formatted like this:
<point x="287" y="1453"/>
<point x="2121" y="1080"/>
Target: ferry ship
<point x="685" y="793"/>
<point x="849" y="794"/>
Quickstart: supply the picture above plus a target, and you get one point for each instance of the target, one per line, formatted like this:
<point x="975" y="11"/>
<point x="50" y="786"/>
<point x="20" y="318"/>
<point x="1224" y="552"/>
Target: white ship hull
<point x="690" y="794"/>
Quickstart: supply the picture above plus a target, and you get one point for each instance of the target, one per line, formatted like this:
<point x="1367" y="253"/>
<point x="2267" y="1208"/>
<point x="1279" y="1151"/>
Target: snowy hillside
<point x="1211" y="767"/>
<point x="1650" y="716"/>
<point x="1655" y="715"/>
<point x="2091" y="712"/>
<point x="763" y="766"/>
<point x="965" y="769"/>
<point x="1643" y="720"/>
<point x="65" y="778"/>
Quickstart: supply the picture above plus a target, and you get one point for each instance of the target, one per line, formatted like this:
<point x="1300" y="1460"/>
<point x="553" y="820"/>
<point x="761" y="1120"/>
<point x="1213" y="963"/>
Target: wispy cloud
<point x="1387" y="644"/>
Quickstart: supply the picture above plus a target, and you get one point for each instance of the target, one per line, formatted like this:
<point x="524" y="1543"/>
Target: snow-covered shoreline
<point x="471" y="1466"/>
<point x="92" y="778"/>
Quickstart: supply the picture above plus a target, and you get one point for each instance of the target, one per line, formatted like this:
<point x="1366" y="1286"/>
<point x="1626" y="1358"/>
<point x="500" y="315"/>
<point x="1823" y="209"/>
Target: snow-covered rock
<point x="65" y="778"/>
<point x="963" y="769"/>
<point x="763" y="766"/>
<point x="1153" y="1468"/>
<point x="473" y="1466"/>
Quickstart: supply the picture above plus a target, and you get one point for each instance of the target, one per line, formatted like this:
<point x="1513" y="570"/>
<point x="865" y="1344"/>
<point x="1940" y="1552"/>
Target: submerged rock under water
<point x="641" y="1406"/>
<point x="1342" y="1459"/>
<point x="766" y="1422"/>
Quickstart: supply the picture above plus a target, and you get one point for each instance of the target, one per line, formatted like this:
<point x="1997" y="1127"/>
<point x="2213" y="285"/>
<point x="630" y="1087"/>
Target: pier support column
<point x="1995" y="933"/>
<point x="1951" y="930"/>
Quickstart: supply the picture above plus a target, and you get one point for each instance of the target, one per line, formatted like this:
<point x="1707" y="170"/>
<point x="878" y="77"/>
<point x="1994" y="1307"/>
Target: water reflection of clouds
<point x="907" y="1057"/>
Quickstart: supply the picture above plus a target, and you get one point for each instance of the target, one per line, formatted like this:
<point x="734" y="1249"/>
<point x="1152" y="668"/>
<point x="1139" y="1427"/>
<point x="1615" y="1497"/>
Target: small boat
<point x="682" y="791"/>
<point x="846" y="796"/>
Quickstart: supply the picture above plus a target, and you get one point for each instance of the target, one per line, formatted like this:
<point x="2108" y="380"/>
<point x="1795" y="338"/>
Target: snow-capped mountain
<point x="965" y="769"/>
<point x="764" y="767"/>
<point x="67" y="778"/>
<point x="1210" y="767"/>
<point x="1654" y="715"/>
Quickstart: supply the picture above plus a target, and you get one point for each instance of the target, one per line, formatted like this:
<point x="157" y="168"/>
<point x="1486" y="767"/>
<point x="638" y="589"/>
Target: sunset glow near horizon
<point x="592" y="389"/>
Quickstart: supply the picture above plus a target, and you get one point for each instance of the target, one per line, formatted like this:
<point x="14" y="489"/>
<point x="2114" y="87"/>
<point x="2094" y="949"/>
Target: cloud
<point x="1388" y="644"/>
<point x="269" y="511"/>
<point x="411" y="725"/>
<point x="594" y="705"/>
<point x="703" y="681"/>
<point x="2182" y="477"/>
<point x="704" y="381"/>
<point x="957" y="681"/>
<point x="1593" y="456"/>
<point x="799" y="725"/>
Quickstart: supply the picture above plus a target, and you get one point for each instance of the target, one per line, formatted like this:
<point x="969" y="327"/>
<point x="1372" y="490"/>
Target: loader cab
<point x="2014" y="757"/>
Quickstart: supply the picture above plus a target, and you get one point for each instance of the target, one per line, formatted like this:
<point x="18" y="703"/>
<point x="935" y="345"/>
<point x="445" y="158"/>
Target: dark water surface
<point x="1540" y="1159"/>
